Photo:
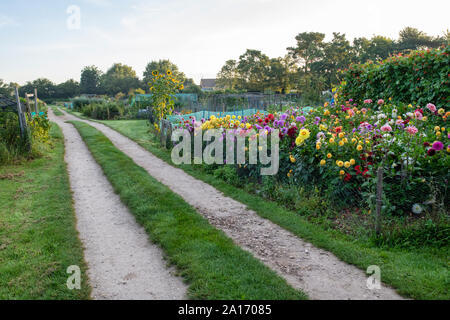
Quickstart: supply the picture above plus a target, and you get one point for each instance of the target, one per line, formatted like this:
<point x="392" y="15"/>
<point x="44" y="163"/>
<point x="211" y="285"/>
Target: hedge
<point x="420" y="77"/>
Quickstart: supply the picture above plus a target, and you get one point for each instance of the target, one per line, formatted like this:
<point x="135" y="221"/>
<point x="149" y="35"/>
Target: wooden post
<point x="28" y="105"/>
<point x="19" y="115"/>
<point x="35" y="101"/>
<point x="379" y="200"/>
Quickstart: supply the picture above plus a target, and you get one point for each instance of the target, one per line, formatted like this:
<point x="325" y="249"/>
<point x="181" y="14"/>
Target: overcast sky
<point x="198" y="36"/>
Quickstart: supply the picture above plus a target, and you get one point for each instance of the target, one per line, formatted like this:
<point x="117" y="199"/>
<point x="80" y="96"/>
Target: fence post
<point x="19" y="115"/>
<point x="35" y="101"/>
<point x="379" y="200"/>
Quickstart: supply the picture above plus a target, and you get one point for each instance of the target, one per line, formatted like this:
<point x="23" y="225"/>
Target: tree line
<point x="118" y="81"/>
<point x="311" y="66"/>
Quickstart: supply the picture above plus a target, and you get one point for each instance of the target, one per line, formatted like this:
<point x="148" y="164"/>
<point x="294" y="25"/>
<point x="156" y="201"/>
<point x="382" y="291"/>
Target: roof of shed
<point x="208" y="83"/>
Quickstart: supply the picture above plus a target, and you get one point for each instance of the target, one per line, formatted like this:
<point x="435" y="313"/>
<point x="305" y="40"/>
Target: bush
<point x="420" y="77"/>
<point x="13" y="146"/>
<point x="103" y="111"/>
<point x="79" y="103"/>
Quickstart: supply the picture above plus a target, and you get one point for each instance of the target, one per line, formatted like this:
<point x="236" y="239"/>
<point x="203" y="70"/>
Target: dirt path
<point x="315" y="271"/>
<point x="122" y="263"/>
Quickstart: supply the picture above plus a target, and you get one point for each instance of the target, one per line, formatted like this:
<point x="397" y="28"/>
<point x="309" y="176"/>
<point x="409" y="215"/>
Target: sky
<point x="46" y="39"/>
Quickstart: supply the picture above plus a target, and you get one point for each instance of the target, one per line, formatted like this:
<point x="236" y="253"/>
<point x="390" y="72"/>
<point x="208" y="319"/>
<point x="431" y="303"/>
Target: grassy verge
<point x="415" y="273"/>
<point x="214" y="267"/>
<point x="38" y="239"/>
<point x="56" y="111"/>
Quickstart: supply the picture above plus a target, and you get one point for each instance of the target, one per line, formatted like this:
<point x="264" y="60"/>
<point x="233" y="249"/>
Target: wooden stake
<point x="379" y="200"/>
<point x="35" y="101"/>
<point x="19" y="114"/>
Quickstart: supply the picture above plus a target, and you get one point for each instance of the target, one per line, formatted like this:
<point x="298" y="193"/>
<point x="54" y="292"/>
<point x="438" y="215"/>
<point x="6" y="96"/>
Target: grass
<point x="38" y="239"/>
<point x="211" y="263"/>
<point x="416" y="273"/>
<point x="56" y="111"/>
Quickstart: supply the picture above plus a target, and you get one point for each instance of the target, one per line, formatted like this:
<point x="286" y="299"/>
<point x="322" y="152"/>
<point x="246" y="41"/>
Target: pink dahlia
<point x="412" y="130"/>
<point x="418" y="115"/>
<point x="431" y="107"/>
<point x="386" y="128"/>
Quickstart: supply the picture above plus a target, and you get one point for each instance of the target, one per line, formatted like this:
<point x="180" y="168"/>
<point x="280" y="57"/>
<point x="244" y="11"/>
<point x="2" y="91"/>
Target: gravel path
<point x="315" y="271"/>
<point x="122" y="263"/>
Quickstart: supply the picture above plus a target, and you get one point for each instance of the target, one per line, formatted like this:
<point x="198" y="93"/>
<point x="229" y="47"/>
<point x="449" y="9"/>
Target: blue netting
<point x="175" y="119"/>
<point x="179" y="97"/>
<point x="207" y="114"/>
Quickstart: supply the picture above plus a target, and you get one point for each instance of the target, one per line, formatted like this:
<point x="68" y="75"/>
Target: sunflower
<point x="154" y="73"/>
<point x="169" y="73"/>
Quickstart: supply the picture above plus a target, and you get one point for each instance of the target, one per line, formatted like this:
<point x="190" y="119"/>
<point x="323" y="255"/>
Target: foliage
<point x="13" y="145"/>
<point x="419" y="77"/>
<point x="90" y="80"/>
<point x="119" y="78"/>
<point x="80" y="102"/>
<point x="163" y="86"/>
<point x="312" y="65"/>
<point x="161" y="67"/>
<point x="104" y="111"/>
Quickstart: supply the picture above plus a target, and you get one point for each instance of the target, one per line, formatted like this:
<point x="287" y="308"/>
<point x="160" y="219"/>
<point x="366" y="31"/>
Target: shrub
<point x="103" y="111"/>
<point x="419" y="78"/>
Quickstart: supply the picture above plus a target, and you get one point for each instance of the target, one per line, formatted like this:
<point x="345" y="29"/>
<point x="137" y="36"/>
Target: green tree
<point x="119" y="78"/>
<point x="309" y="49"/>
<point x="68" y="89"/>
<point x="46" y="89"/>
<point x="228" y="77"/>
<point x="337" y="54"/>
<point x="281" y="74"/>
<point x="377" y="48"/>
<point x="90" y="80"/>
<point x="6" y="89"/>
<point x="253" y="68"/>
<point x="414" y="39"/>
<point x="162" y="66"/>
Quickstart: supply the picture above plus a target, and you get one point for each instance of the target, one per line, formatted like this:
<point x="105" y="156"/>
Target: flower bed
<point x="338" y="149"/>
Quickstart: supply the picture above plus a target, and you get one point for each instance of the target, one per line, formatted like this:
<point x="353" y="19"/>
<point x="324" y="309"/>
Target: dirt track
<point x="122" y="263"/>
<point x="315" y="271"/>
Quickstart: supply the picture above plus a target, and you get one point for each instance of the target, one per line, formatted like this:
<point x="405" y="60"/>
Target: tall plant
<point x="163" y="88"/>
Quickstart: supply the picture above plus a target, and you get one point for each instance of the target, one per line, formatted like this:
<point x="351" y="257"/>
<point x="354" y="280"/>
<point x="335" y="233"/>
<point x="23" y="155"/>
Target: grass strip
<point x="211" y="263"/>
<point x="38" y="237"/>
<point x="418" y="274"/>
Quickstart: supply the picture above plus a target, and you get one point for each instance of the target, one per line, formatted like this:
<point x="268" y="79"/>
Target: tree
<point x="119" y="78"/>
<point x="413" y="39"/>
<point x="337" y="54"/>
<point x="281" y="74"/>
<point x="228" y="77"/>
<point x="46" y="89"/>
<point x="253" y="70"/>
<point x="68" y="89"/>
<point x="6" y="89"/>
<point x="162" y="66"/>
<point x="377" y="48"/>
<point x="309" y="49"/>
<point x="90" y="80"/>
